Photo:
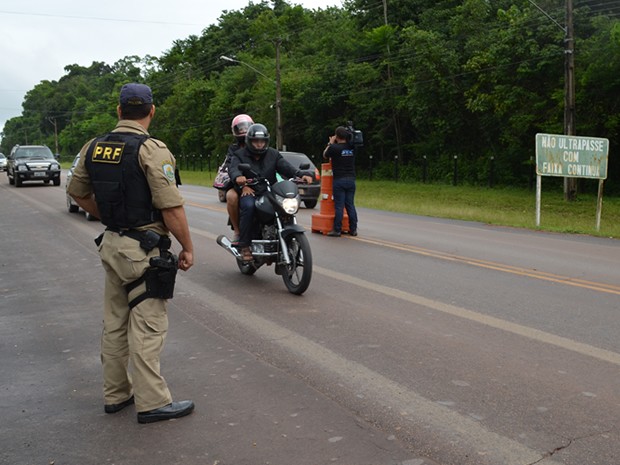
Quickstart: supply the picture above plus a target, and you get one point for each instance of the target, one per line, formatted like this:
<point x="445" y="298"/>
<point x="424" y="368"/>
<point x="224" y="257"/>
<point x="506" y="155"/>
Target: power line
<point x="325" y="69"/>
<point x="94" y="18"/>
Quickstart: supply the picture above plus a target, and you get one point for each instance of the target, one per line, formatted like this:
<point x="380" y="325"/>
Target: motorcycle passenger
<point x="239" y="127"/>
<point x="266" y="162"/>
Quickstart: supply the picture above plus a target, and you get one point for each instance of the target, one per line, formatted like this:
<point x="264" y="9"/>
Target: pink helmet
<point x="240" y="125"/>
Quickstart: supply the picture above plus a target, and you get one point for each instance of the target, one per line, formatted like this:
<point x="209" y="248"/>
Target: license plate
<point x="40" y="174"/>
<point x="302" y="191"/>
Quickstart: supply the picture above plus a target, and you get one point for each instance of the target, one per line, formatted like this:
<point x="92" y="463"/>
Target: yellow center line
<point x="542" y="275"/>
<point x="206" y="207"/>
<point x="576" y="282"/>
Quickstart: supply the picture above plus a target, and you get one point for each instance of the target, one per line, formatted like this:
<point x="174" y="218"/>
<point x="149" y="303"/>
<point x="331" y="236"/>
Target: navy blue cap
<point x="135" y="94"/>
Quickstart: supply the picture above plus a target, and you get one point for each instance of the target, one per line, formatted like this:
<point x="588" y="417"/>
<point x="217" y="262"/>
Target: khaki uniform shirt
<point x="157" y="163"/>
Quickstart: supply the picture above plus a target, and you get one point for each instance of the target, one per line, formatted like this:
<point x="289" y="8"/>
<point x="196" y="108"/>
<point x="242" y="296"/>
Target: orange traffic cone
<point x="323" y="221"/>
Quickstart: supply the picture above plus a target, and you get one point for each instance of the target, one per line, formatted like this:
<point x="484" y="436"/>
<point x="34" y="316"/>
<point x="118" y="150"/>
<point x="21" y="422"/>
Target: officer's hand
<point x="186" y="260"/>
<point x="241" y="180"/>
<point x="307" y="179"/>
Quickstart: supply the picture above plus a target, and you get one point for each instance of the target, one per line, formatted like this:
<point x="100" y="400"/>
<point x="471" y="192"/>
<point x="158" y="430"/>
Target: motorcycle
<point x="279" y="239"/>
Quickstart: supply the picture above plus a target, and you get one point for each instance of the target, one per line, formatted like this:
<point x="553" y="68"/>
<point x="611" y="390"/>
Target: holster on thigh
<point x="159" y="279"/>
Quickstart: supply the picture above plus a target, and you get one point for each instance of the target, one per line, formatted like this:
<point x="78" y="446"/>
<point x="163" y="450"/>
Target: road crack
<point x="550" y="454"/>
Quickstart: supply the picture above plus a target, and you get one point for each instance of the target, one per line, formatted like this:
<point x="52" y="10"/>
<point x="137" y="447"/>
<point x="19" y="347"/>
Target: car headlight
<point x="54" y="167"/>
<point x="290" y="206"/>
<point x="22" y="168"/>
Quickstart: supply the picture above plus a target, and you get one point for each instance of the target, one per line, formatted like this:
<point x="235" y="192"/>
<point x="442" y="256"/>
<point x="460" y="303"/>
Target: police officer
<point x="127" y="179"/>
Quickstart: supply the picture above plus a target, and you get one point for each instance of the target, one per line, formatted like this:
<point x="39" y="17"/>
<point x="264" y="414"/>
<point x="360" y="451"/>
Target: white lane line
<point x="490" y="321"/>
<point x="514" y="328"/>
<point x="435" y="422"/>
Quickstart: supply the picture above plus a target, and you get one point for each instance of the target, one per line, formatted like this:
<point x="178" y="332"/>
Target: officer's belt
<point x="133" y="233"/>
<point x="148" y="239"/>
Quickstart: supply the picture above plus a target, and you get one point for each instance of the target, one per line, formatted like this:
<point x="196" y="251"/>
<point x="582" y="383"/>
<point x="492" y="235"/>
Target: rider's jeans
<point x="343" y="191"/>
<point x="246" y="219"/>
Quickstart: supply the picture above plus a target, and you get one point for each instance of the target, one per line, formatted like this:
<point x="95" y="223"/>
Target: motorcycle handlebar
<point x="254" y="181"/>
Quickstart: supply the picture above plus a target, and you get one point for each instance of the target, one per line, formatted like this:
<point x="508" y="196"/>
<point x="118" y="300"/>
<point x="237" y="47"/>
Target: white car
<point x="71" y="205"/>
<point x="2" y="162"/>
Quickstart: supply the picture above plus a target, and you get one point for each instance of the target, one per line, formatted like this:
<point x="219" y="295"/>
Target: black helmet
<point x="257" y="132"/>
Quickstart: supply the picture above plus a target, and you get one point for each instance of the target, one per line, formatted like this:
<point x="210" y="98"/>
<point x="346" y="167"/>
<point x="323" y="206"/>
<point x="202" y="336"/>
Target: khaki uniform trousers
<point x="137" y="335"/>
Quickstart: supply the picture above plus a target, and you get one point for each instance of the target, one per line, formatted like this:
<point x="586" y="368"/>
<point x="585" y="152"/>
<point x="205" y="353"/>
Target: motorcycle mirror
<point x="304" y="166"/>
<point x="247" y="171"/>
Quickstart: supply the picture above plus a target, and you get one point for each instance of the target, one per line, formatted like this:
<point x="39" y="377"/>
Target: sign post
<point x="571" y="157"/>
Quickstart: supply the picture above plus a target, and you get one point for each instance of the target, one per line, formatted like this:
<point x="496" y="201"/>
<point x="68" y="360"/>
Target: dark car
<point x="32" y="163"/>
<point x="71" y="205"/>
<point x="309" y="193"/>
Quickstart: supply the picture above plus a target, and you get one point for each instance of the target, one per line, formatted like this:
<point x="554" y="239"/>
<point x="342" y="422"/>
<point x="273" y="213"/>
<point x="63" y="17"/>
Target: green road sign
<point x="571" y="156"/>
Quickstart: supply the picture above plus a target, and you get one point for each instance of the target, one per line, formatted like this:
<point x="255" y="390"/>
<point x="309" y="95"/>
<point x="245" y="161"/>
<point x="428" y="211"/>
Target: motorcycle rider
<point x="266" y="162"/>
<point x="239" y="128"/>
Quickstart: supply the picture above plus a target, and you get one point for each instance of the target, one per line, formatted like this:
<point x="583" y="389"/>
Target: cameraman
<point x="340" y="151"/>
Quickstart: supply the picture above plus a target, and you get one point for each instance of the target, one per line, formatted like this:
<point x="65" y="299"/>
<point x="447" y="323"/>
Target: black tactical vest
<point x="121" y="190"/>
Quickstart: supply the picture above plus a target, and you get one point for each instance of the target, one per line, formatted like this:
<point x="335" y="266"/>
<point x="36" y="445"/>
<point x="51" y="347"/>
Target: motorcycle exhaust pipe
<point x="225" y="243"/>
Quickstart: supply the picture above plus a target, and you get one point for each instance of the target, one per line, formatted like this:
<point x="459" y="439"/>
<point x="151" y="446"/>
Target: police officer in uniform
<point x="127" y="179"/>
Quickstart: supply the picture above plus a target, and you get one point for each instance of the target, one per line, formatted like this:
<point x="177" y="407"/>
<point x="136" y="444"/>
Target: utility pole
<point x="278" y="105"/>
<point x="53" y="121"/>
<point x="395" y="119"/>
<point x="279" y="141"/>
<point x="570" y="184"/>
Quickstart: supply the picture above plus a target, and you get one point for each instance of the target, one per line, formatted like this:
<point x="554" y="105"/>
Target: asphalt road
<point x="421" y="341"/>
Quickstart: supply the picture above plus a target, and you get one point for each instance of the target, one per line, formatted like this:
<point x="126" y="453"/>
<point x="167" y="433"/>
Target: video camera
<point x="355" y="136"/>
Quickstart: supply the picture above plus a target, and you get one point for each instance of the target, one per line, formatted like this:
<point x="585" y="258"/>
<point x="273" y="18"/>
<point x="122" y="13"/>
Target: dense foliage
<point x="426" y="81"/>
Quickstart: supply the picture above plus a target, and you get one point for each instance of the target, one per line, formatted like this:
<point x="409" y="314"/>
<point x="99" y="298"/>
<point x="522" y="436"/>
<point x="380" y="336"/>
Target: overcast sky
<point x="38" y="38"/>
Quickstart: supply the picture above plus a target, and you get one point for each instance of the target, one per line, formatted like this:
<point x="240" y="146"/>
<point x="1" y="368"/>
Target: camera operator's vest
<point x="121" y="190"/>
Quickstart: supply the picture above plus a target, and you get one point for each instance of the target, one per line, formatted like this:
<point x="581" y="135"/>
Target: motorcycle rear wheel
<point x="298" y="274"/>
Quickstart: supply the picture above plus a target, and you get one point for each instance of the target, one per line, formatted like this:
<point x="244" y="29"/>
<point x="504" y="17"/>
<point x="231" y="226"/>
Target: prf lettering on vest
<point x="108" y="152"/>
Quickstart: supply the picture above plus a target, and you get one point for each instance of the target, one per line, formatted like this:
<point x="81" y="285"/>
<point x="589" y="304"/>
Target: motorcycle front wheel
<point x="297" y="274"/>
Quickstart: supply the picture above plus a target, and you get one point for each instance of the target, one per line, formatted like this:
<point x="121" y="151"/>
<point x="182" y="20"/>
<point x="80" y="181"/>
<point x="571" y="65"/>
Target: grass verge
<point x="498" y="206"/>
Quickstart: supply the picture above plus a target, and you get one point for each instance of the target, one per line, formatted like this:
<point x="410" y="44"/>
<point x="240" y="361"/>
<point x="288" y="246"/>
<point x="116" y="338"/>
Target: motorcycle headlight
<point x="290" y="206"/>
